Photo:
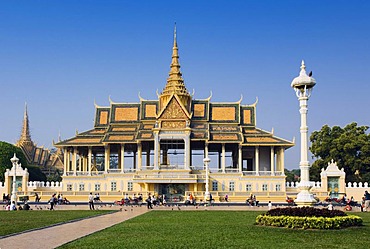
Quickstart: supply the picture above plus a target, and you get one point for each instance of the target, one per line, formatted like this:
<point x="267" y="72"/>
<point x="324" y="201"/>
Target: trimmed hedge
<point x="305" y="212"/>
<point x="309" y="222"/>
<point x="308" y="218"/>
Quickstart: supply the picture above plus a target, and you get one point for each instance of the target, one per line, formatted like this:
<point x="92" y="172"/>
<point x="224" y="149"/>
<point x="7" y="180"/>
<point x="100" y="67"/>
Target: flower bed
<point x="308" y="218"/>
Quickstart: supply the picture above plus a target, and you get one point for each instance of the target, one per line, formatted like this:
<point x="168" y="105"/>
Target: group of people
<point x="6" y="198"/>
<point x="57" y="200"/>
<point x="350" y="202"/>
<point x="12" y="206"/>
<point x="155" y="200"/>
<point x="252" y="200"/>
<point x="128" y="200"/>
<point x="93" y="198"/>
<point x="190" y="200"/>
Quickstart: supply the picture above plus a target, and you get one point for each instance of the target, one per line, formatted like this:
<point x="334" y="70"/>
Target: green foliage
<point x="348" y="146"/>
<point x="56" y="177"/>
<point x="6" y="152"/>
<point x="36" y="174"/>
<point x="292" y="175"/>
<point x="309" y="222"/>
<point x="18" y="221"/>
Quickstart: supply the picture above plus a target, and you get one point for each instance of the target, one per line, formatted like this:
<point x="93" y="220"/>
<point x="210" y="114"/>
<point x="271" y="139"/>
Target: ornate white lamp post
<point x="206" y="162"/>
<point x="14" y="161"/>
<point x="303" y="85"/>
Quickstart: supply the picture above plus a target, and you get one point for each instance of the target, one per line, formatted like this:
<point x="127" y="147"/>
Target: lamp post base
<point x="207" y="198"/>
<point x="305" y="197"/>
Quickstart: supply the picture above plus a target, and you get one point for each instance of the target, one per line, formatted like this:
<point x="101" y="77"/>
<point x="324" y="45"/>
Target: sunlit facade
<point x="157" y="146"/>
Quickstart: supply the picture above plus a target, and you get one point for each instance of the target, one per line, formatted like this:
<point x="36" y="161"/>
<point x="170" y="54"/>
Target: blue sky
<point x="58" y="56"/>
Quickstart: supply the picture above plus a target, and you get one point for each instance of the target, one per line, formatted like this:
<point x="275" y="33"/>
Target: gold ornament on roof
<point x="175" y="82"/>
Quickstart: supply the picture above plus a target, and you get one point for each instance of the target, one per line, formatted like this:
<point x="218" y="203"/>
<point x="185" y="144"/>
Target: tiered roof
<point x="176" y="110"/>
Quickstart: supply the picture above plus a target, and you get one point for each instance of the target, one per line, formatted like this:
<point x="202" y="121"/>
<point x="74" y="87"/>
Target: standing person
<point x="91" y="201"/>
<point x="227" y="198"/>
<point x="367" y="200"/>
<point x="330" y="206"/>
<point x="52" y="201"/>
<point x="149" y="202"/>
<point x="362" y="204"/>
<point x="270" y="205"/>
<point x="37" y="198"/>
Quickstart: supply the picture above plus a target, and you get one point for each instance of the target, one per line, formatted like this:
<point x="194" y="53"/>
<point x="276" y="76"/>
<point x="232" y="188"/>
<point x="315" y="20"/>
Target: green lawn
<point x="17" y="221"/>
<point x="218" y="229"/>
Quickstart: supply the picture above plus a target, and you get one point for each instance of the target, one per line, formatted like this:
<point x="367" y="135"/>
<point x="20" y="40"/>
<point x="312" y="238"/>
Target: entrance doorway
<point x="333" y="187"/>
<point x="173" y="192"/>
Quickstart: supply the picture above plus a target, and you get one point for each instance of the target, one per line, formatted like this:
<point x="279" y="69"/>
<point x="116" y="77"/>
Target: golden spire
<point x="175" y="82"/>
<point x="25" y="136"/>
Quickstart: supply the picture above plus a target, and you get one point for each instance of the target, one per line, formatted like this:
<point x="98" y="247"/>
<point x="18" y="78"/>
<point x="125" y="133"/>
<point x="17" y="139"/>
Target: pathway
<point x="55" y="236"/>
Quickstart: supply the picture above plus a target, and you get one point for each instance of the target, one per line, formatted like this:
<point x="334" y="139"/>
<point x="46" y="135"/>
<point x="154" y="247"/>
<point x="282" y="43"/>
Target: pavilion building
<point x="158" y="146"/>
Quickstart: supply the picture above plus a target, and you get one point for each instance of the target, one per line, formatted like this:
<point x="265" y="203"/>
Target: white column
<point x="122" y="158"/>
<point x="65" y="163"/>
<point x="85" y="163"/>
<point x="79" y="162"/>
<point x="257" y="159"/>
<point x="89" y="160"/>
<point x="282" y="166"/>
<point x="69" y="160"/>
<point x="140" y="156"/>
<point x="304" y="165"/>
<point x="134" y="163"/>
<point x="74" y="160"/>
<point x="187" y="152"/>
<point x="156" y="151"/>
<point x="206" y="162"/>
<point x="223" y="160"/>
<point x="272" y="161"/>
<point x="106" y="158"/>
<point x="206" y="150"/>
<point x="240" y="158"/>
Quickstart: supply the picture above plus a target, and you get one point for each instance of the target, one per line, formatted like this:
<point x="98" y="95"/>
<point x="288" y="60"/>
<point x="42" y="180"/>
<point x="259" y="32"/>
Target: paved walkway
<point x="55" y="236"/>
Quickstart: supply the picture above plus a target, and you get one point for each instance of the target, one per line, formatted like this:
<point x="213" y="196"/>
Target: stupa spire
<point x="175" y="82"/>
<point x="175" y="76"/>
<point x="25" y="136"/>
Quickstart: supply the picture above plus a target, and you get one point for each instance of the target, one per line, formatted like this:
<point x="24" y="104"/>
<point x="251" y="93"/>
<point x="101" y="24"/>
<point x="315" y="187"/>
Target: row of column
<point x="86" y="163"/>
<point x="279" y="159"/>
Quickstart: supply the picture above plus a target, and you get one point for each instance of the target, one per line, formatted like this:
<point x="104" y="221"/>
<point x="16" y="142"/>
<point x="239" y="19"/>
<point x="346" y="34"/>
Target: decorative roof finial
<point x="303" y="66"/>
<point x="174" y="37"/>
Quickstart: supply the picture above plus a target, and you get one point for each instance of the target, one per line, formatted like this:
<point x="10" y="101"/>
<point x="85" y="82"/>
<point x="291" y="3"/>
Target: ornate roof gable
<point x="174" y="110"/>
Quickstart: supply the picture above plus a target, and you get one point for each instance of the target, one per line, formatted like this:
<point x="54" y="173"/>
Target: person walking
<point x="91" y="201"/>
<point x="52" y="201"/>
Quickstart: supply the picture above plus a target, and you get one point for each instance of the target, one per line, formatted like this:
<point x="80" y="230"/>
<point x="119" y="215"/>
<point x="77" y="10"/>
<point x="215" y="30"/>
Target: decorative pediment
<point x="174" y="110"/>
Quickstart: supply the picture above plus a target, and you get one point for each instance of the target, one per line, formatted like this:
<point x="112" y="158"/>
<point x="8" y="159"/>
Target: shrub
<point x="305" y="212"/>
<point x="308" y="218"/>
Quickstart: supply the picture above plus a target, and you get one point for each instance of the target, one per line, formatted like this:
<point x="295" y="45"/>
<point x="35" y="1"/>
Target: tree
<point x="348" y="146"/>
<point x="7" y="151"/>
<point x="292" y="175"/>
